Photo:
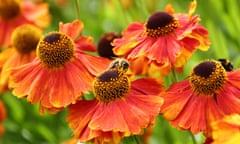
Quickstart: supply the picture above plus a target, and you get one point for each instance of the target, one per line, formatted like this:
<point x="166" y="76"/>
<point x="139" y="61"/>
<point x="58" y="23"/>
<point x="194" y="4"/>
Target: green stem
<point x="136" y="139"/>
<point x="174" y="75"/>
<point x="77" y="8"/>
<point x="193" y="138"/>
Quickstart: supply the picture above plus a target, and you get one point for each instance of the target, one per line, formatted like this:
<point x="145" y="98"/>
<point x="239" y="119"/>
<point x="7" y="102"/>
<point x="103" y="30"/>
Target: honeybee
<point x="226" y="64"/>
<point x="119" y="64"/>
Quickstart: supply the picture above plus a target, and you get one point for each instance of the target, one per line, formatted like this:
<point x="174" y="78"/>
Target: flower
<point x="209" y="93"/>
<point x="120" y="108"/>
<point x="14" y="13"/>
<point x="2" y="117"/>
<point x="226" y="130"/>
<point x="104" y="47"/>
<point x="61" y="72"/>
<point x="166" y="40"/>
<point x="24" y="41"/>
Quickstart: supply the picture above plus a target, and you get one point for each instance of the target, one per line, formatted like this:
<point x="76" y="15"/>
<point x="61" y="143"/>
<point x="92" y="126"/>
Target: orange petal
<point x="175" y="99"/>
<point x="102" y="121"/>
<point x="193" y="116"/>
<point x="94" y="64"/>
<point x="146" y="86"/>
<point x="191" y="8"/>
<point x="38" y="13"/>
<point x="71" y="29"/>
<point x="85" y="44"/>
<point x="23" y="76"/>
<point x="169" y="9"/>
<point x="79" y="115"/>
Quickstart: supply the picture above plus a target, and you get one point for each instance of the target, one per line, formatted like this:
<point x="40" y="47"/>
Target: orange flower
<point x="2" y="117"/>
<point x="207" y="95"/>
<point x="24" y="41"/>
<point x="61" y="72"/>
<point x="167" y="40"/>
<point x="17" y="12"/>
<point x="226" y="130"/>
<point x="121" y="108"/>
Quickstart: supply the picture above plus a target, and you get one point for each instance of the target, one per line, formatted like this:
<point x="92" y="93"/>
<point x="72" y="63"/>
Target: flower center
<point x="25" y="38"/>
<point x="159" y="24"/>
<point x="104" y="47"/>
<point x="55" y="49"/>
<point x="9" y="9"/>
<point x="208" y="77"/>
<point x="111" y="85"/>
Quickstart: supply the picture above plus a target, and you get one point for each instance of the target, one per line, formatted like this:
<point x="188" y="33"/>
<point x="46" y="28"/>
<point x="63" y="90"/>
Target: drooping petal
<point x="22" y="77"/>
<point x="146" y="86"/>
<point x="79" y="116"/>
<point x="175" y="99"/>
<point x="71" y="29"/>
<point x="93" y="64"/>
<point x="85" y="44"/>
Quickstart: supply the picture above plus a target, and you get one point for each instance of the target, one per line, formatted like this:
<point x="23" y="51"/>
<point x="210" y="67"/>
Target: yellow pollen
<point x="111" y="85"/>
<point x="25" y="38"/>
<point x="9" y="9"/>
<point x="210" y="82"/>
<point x="55" y="49"/>
<point x="162" y="31"/>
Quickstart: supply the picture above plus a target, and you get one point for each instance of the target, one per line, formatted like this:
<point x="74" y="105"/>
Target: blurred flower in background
<point x="2" y="117"/>
<point x="24" y="42"/>
<point x="226" y="130"/>
<point x="104" y="47"/>
<point x="17" y="12"/>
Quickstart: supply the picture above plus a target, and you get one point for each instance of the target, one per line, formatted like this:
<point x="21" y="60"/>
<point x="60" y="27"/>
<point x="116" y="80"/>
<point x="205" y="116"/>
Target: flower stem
<point x="77" y="8"/>
<point x="174" y="75"/>
<point x="136" y="139"/>
<point x="193" y="138"/>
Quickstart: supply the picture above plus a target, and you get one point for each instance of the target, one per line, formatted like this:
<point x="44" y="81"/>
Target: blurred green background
<point x="24" y="124"/>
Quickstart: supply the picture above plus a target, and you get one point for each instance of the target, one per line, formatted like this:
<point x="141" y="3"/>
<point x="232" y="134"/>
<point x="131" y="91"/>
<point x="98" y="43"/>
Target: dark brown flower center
<point x="55" y="49"/>
<point x="208" y="77"/>
<point x="25" y="38"/>
<point x="104" y="47"/>
<point x="159" y="24"/>
<point x="9" y="9"/>
<point x="113" y="83"/>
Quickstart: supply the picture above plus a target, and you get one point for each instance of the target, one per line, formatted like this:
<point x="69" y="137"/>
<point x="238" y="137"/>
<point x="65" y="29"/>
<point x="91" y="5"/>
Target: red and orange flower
<point x="227" y="130"/>
<point x="207" y="95"/>
<point x="14" y="13"/>
<point x="61" y="72"/>
<point x="24" y="42"/>
<point x="2" y="117"/>
<point x="121" y="108"/>
<point x="166" y="40"/>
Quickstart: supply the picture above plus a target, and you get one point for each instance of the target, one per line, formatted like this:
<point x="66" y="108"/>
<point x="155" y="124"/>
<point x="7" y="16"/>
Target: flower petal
<point x="72" y="29"/>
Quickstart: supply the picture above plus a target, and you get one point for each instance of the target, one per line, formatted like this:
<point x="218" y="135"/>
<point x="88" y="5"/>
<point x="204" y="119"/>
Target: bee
<point x="226" y="64"/>
<point x="119" y="64"/>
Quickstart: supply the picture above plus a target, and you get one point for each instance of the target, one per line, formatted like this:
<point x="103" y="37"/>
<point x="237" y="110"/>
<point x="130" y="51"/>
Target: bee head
<point x="119" y="64"/>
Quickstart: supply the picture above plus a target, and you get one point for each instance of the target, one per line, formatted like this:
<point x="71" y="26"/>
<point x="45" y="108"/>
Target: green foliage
<point x="24" y="124"/>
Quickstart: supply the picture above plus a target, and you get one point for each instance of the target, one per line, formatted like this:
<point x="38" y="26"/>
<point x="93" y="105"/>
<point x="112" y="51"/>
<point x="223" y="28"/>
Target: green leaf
<point x="46" y="133"/>
<point x="14" y="107"/>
